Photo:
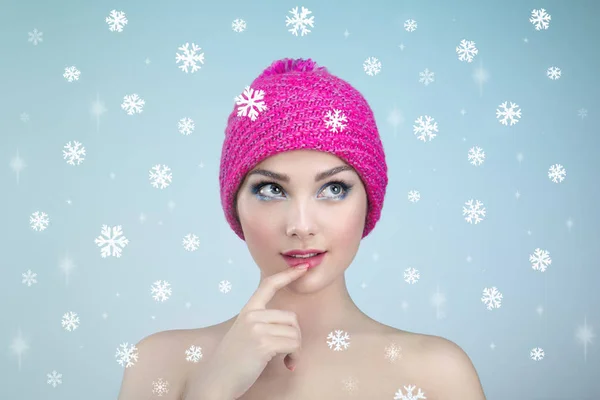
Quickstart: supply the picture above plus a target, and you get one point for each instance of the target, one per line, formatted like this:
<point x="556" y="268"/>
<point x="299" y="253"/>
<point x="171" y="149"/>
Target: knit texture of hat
<point x="295" y="104"/>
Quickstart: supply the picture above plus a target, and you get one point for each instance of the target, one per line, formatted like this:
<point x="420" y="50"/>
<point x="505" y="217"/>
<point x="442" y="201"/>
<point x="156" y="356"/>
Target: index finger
<point x="270" y="285"/>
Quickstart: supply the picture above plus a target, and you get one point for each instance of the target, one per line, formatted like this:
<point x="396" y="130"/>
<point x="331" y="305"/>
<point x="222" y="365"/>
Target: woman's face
<point x="301" y="213"/>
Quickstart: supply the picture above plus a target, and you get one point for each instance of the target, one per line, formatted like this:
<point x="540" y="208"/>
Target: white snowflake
<point x="238" y="25"/>
<point x="160" y="387"/>
<point x="557" y="173"/>
<point x="116" y="21"/>
<point x="411" y="275"/>
<point x="189" y="58"/>
<point x="393" y="352"/>
<point x="466" y="50"/>
<point x="39" y="221"/>
<point x="492" y="298"/>
<point x="540" y="259"/>
<point x="251" y="100"/>
<point x="335" y="121"/>
<point x="35" y="37"/>
<point x="127" y="355"/>
<point x="582" y="112"/>
<point x="350" y="385"/>
<point x="513" y="113"/>
<point x="70" y="321"/>
<point x="372" y="66"/>
<point x="160" y="177"/>
<point x="54" y="378"/>
<point x="193" y="354"/>
<point x="186" y="126"/>
<point x="71" y="74"/>
<point x="553" y="73"/>
<point x="29" y="277"/>
<point x="111" y="241"/>
<point x="426" y="77"/>
<point x="540" y="19"/>
<point x="161" y="290"/>
<point x="339" y="341"/>
<point x="410" y="25"/>
<point x="537" y="354"/>
<point x="24" y="117"/>
<point x="191" y="242"/>
<point x="74" y="153"/>
<point x="299" y="21"/>
<point x="409" y="394"/>
<point x="476" y="155"/>
<point x="425" y="128"/>
<point x="414" y="196"/>
<point x="133" y="104"/>
<point x="224" y="286"/>
<point x="474" y="212"/>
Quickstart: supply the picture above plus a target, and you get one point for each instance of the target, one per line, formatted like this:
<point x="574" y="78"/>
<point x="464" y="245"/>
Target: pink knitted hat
<point x="295" y="104"/>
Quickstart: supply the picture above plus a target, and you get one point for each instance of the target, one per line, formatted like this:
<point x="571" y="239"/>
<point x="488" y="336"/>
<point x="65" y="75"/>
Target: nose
<point x="301" y="220"/>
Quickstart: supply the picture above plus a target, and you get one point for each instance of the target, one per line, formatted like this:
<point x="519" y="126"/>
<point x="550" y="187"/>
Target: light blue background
<point x="458" y="258"/>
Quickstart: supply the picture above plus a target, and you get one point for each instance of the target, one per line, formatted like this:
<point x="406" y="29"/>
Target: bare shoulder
<point x="164" y="360"/>
<point x="449" y="372"/>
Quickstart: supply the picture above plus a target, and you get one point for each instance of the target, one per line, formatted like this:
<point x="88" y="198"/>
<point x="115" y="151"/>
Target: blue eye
<point x="346" y="187"/>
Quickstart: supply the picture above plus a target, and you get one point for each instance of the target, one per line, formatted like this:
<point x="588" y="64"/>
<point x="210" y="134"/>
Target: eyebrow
<point x="285" y="178"/>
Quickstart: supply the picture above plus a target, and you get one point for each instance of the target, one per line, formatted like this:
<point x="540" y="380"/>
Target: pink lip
<point x="312" y="261"/>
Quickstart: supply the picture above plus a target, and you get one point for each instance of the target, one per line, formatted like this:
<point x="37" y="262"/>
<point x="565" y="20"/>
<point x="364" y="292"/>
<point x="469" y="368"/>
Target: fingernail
<point x="303" y="266"/>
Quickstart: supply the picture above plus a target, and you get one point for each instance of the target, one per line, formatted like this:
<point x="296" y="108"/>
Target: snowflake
<point x="553" y="73"/>
<point x="70" y="321"/>
<point x="582" y="112"/>
<point x="410" y="25"/>
<point x="71" y="74"/>
<point x="224" y="286"/>
<point x="160" y="176"/>
<point x="24" y="117"/>
<point x="476" y="155"/>
<point x="426" y="77"/>
<point x="74" y="153"/>
<point x="161" y="290"/>
<point x="38" y="221"/>
<point x="194" y="354"/>
<point x="248" y="101"/>
<point x="350" y="385"/>
<point x="540" y="19"/>
<point x="540" y="259"/>
<point x="425" y="129"/>
<point x="474" y="212"/>
<point x="508" y="113"/>
<point x="557" y="173"/>
<point x="160" y="387"/>
<point x="414" y="196"/>
<point x="114" y="241"/>
<point x="409" y="394"/>
<point x="186" y="126"/>
<point x="29" y="277"/>
<point x="492" y="297"/>
<point x="189" y="58"/>
<point x="466" y="51"/>
<point x="372" y="66"/>
<point x="299" y="21"/>
<point x="191" y="242"/>
<point x="335" y="120"/>
<point x="411" y="275"/>
<point x="127" y="356"/>
<point x="116" y="21"/>
<point x="54" y="378"/>
<point x="338" y="340"/>
<point x="393" y="352"/>
<point x="133" y="104"/>
<point x="536" y="354"/>
<point x="35" y="37"/>
<point x="238" y="25"/>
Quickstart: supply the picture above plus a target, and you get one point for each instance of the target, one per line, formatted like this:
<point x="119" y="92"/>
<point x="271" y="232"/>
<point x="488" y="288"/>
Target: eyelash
<point x="259" y="185"/>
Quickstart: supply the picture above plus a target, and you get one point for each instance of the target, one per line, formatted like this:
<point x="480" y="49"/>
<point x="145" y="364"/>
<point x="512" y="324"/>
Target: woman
<point x="302" y="170"/>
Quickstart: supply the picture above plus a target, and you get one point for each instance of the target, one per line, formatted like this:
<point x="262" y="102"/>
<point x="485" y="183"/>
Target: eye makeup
<point x="346" y="188"/>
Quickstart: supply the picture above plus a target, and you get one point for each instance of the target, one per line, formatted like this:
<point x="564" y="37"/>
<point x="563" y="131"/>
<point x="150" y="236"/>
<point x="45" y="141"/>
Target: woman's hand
<point x="256" y="336"/>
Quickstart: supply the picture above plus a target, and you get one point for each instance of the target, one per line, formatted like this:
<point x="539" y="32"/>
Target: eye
<point x="337" y="193"/>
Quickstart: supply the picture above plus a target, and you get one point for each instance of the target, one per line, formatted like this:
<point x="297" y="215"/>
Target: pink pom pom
<point x="288" y="64"/>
